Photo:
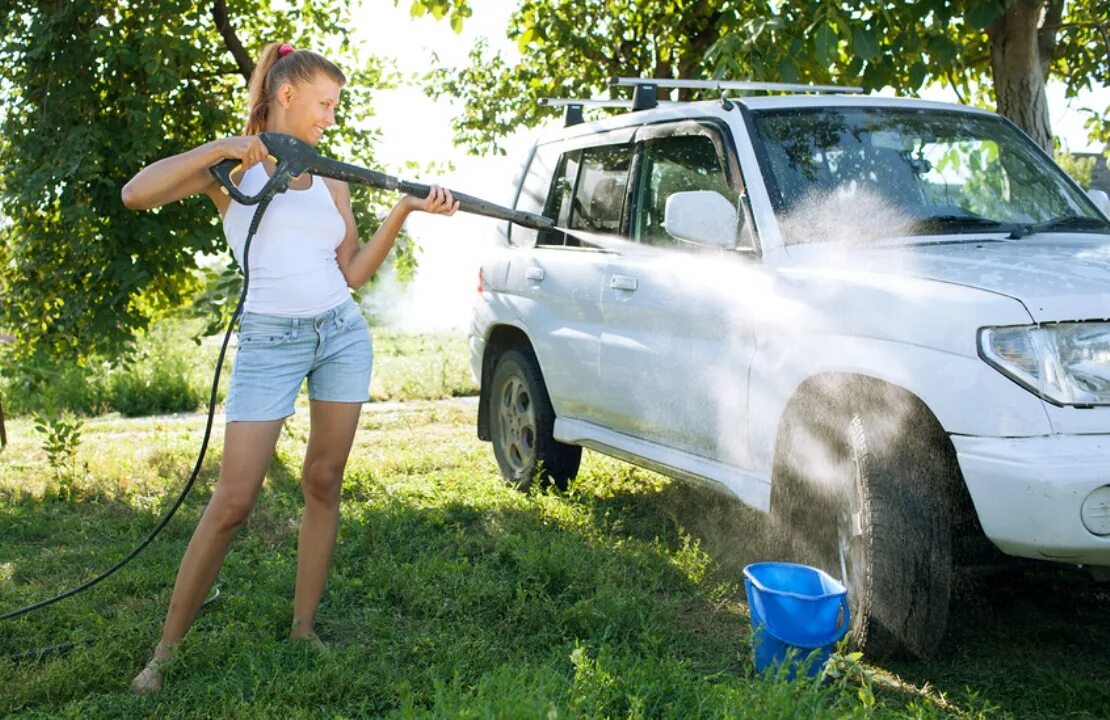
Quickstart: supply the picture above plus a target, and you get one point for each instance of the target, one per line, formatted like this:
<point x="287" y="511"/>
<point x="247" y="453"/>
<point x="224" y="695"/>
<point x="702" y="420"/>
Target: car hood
<point x="1057" y="277"/>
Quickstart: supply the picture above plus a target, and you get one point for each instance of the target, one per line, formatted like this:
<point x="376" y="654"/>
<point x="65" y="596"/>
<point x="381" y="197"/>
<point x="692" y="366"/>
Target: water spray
<point x="292" y="158"/>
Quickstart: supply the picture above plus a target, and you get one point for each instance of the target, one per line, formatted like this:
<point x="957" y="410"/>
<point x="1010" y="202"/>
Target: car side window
<point x="588" y="193"/>
<point x="669" y="165"/>
<point x="599" y="196"/>
<point x="533" y="192"/>
<point x="558" y="203"/>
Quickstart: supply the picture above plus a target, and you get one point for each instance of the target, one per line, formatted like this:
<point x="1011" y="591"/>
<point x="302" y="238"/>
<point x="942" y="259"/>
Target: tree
<point x="981" y="48"/>
<point x="94" y="91"/>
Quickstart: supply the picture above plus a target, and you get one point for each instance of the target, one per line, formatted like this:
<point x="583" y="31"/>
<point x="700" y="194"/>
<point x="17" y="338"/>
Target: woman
<point x="299" y="322"/>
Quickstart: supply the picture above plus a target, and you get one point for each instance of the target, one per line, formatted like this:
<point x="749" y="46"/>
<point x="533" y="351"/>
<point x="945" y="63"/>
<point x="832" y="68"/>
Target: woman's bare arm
<point x="186" y="174"/>
<point x="358" y="264"/>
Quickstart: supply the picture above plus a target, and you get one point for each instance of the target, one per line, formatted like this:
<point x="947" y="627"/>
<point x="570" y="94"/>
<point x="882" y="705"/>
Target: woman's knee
<point x="321" y="481"/>
<point x="229" y="510"/>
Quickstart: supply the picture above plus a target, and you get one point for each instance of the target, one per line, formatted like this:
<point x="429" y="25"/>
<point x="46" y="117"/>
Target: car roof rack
<point x="644" y="94"/>
<point x="741" y="85"/>
<point x="574" y="107"/>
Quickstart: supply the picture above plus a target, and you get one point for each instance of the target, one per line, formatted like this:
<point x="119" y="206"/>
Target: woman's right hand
<point x="179" y="176"/>
<point x="249" y="150"/>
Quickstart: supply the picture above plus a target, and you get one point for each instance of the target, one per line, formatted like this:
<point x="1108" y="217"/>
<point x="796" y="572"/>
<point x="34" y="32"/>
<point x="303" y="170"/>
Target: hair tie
<point x="285" y="49"/>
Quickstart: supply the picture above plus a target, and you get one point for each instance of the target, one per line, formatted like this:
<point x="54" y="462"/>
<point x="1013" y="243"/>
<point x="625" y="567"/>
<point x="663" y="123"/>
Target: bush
<point x="166" y="373"/>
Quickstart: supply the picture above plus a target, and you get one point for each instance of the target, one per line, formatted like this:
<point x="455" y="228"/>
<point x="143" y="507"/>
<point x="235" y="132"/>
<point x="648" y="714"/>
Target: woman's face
<point x="308" y="108"/>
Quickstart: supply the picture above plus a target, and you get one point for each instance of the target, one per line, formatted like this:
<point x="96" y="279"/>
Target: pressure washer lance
<point x="292" y="157"/>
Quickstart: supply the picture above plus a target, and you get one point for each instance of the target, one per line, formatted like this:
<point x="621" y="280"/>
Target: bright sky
<point x="417" y="129"/>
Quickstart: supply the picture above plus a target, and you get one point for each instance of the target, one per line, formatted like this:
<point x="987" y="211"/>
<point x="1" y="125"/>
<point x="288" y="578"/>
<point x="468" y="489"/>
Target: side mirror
<point x="701" y="217"/>
<point x="1101" y="201"/>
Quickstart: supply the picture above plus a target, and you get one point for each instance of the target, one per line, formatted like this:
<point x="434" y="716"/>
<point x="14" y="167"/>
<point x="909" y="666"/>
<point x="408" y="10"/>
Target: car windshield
<point x="872" y="173"/>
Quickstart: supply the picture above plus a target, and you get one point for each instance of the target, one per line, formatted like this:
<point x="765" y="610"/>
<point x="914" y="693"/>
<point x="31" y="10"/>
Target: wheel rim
<point x="517" y="423"/>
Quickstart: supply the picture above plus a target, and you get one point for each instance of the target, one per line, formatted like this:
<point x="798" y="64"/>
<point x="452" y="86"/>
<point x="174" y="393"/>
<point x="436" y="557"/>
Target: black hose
<point x="255" y="221"/>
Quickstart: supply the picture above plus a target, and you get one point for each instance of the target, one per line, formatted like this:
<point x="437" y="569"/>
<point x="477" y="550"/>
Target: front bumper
<point x="1040" y="497"/>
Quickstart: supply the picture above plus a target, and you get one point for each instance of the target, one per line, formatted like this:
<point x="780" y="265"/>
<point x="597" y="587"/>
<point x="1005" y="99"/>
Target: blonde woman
<point x="299" y="322"/>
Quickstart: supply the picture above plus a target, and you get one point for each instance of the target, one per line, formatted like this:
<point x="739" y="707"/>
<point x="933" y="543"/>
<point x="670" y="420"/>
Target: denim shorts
<point x="275" y="354"/>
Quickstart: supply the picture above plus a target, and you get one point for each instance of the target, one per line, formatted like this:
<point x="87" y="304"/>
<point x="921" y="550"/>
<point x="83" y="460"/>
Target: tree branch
<point x="1047" y="33"/>
<point x="242" y="58"/>
<point x="955" y="87"/>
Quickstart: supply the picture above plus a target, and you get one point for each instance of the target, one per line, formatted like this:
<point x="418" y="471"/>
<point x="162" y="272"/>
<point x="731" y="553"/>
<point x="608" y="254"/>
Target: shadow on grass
<point x="1030" y="640"/>
<point x="421" y="600"/>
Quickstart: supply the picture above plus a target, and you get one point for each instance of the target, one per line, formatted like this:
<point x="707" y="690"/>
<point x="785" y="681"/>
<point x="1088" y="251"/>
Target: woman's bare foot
<point x="149" y="679"/>
<point x="311" y="638"/>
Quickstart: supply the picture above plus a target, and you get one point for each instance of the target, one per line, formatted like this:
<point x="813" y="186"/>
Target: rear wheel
<point x="522" y="421"/>
<point x="859" y="490"/>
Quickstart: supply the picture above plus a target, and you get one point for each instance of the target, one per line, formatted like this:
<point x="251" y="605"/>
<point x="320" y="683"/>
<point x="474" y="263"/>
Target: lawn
<point x="455" y="596"/>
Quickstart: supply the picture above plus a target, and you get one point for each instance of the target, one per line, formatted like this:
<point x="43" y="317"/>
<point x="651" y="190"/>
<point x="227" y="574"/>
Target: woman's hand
<point x="438" y="202"/>
<point x="247" y="149"/>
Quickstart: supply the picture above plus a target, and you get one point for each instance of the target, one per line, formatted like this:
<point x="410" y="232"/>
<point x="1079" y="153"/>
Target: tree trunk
<point x="1021" y="50"/>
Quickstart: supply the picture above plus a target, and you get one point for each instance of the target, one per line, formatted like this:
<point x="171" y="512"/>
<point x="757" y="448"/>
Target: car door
<point x="677" y="339"/>
<point x="558" y="280"/>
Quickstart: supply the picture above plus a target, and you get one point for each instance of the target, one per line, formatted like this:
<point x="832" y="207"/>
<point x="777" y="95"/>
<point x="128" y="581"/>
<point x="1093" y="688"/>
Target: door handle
<point x="534" y="274"/>
<point x="623" y="282"/>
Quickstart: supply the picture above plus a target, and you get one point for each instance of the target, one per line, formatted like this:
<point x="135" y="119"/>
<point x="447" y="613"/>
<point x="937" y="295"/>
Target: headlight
<point x="1064" y="363"/>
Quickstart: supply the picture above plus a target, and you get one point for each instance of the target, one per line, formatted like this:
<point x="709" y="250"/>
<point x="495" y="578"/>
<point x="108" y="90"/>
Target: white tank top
<point x="293" y="267"/>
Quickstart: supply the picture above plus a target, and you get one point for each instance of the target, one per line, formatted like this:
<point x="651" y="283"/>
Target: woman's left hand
<point x="438" y="202"/>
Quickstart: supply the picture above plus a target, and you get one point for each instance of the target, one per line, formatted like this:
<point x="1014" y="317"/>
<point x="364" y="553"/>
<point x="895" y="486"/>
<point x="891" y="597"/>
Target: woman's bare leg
<point x="248" y="448"/>
<point x="329" y="445"/>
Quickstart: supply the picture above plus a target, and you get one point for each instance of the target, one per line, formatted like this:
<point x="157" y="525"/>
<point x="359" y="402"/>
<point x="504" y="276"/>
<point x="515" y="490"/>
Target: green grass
<point x="169" y="373"/>
<point x="454" y="596"/>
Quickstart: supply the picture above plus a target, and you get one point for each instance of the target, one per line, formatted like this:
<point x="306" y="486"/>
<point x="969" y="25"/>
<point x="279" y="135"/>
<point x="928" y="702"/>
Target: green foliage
<point x="95" y="91"/>
<point x="166" y="372"/>
<point x="457" y="10"/>
<point x="572" y="47"/>
<point x="425" y="366"/>
<point x="61" y="439"/>
<point x="1081" y="169"/>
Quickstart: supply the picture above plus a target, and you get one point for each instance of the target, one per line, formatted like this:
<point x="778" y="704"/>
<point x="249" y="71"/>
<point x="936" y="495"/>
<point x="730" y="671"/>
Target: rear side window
<point x="533" y="192"/>
<point x="588" y="192"/>
<point x="559" y="200"/>
<point x="601" y="190"/>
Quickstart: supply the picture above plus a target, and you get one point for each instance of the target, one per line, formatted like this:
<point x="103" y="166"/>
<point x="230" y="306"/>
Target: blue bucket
<point x="797" y="612"/>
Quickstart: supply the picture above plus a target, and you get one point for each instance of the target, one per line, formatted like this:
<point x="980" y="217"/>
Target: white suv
<point x="884" y="322"/>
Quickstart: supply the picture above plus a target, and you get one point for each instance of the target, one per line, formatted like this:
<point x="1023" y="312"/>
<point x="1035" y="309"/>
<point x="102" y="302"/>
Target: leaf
<point x="864" y="44"/>
<point x="917" y="74"/>
<point x="788" y="70"/>
<point x="524" y="39"/>
<point x="825" y="42"/>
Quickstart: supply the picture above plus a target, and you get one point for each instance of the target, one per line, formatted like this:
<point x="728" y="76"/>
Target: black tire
<point x="522" y="422"/>
<point x="862" y="473"/>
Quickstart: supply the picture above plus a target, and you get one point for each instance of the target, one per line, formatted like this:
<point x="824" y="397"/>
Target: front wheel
<point x="522" y="422"/>
<point x="859" y="490"/>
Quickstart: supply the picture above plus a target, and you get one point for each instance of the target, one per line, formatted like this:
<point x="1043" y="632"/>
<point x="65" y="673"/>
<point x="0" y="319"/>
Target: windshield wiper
<point x="954" y="222"/>
<point x="1064" y="222"/>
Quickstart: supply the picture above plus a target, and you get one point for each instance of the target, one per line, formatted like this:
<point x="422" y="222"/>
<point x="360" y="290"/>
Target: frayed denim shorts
<point x="275" y="354"/>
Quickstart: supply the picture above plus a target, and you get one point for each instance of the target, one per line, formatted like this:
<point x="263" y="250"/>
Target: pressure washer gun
<point x="292" y="157"/>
